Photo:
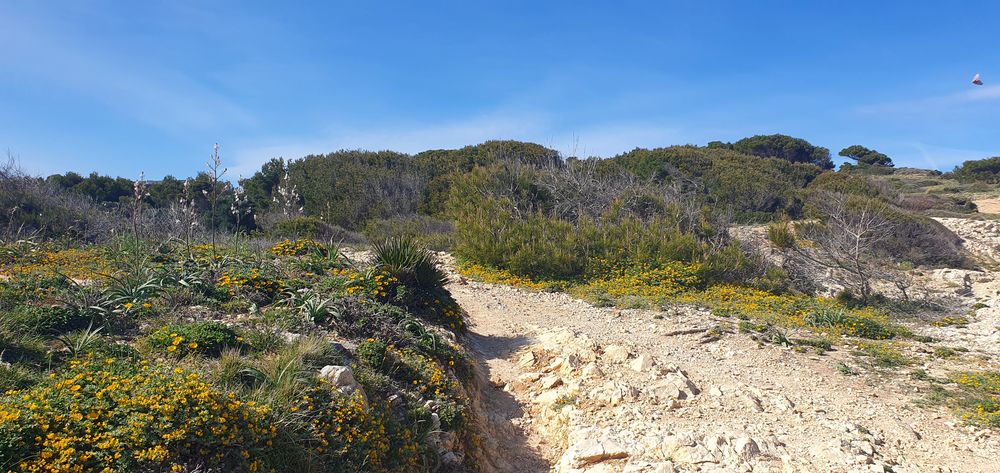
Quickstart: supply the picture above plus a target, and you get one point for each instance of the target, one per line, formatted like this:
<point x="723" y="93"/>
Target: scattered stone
<point x="550" y="382"/>
<point x="746" y="448"/>
<point x="616" y="353"/>
<point x="341" y="377"/>
<point x="642" y="363"/>
<point x="590" y="451"/>
<point x="591" y="371"/>
<point x="526" y="360"/>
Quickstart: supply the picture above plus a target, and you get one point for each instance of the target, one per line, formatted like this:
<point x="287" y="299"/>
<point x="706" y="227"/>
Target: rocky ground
<point x="576" y="388"/>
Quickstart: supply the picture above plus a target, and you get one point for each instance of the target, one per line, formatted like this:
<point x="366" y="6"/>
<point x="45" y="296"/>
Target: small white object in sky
<point x="976" y="80"/>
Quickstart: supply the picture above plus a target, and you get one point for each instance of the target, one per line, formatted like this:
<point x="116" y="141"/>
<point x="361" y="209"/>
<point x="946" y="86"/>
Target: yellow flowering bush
<point x="251" y="282"/>
<point x="205" y="338"/>
<point x="100" y="416"/>
<point x="648" y="281"/>
<point x="792" y="311"/>
<point x="499" y="276"/>
<point x="46" y="261"/>
<point x="951" y="321"/>
<point x="981" y="403"/>
<point x="380" y="285"/>
<point x="376" y="284"/>
<point x="423" y="373"/>
<point x="297" y="247"/>
<point x="349" y="434"/>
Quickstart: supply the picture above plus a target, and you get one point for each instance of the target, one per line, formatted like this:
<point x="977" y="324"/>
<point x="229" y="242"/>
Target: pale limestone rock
<point x="746" y="448"/>
<point x="341" y="377"/>
<point x="752" y="402"/>
<point x="642" y="363"/>
<point x="782" y="403"/>
<point x="616" y="353"/>
<point x="590" y="451"/>
<point x="613" y="393"/>
<point x="673" y="386"/>
<point x="550" y="382"/>
<point x="591" y="371"/>
<point x="527" y="359"/>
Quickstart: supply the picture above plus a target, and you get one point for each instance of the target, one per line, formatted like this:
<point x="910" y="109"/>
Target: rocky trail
<point x="577" y="388"/>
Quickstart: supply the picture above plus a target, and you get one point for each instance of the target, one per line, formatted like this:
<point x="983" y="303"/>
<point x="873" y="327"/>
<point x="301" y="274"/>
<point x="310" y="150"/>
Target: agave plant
<point x="82" y="341"/>
<point x="402" y="257"/>
<point x="133" y="288"/>
<point x="315" y="309"/>
<point x="425" y="338"/>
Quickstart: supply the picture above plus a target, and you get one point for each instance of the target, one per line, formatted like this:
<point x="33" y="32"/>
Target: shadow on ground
<point x="508" y="446"/>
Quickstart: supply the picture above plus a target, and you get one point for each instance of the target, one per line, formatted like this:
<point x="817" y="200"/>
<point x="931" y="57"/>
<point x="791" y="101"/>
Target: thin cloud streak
<point x="163" y="98"/>
<point x="940" y="157"/>
<point x="936" y="103"/>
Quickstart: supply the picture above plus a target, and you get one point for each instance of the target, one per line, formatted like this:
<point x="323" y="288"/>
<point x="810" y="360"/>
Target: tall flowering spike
<point x="287" y="196"/>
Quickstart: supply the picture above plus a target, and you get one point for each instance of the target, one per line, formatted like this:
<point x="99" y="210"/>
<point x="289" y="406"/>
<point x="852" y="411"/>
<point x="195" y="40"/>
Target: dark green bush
<point x="305" y="227"/>
<point x="204" y="338"/>
<point x="373" y="353"/>
<point x="982" y="170"/>
<point x="429" y="232"/>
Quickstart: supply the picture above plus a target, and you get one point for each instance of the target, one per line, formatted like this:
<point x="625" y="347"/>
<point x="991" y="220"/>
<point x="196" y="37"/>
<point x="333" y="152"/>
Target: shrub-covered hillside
<point x="142" y="356"/>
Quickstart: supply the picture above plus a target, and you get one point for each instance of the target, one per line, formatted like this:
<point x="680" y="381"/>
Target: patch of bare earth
<point x="988" y="206"/>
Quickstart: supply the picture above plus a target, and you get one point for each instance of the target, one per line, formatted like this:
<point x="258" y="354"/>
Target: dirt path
<point x="988" y="206"/>
<point x="799" y="412"/>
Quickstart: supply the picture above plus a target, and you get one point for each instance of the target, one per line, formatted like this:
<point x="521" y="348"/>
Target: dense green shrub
<point x="791" y="149"/>
<point x="303" y="227"/>
<point x="982" y="170"/>
<point x="753" y="188"/>
<point x="429" y="232"/>
<point x="505" y="220"/>
<point x="847" y="183"/>
<point x="348" y="188"/>
<point x="204" y="338"/>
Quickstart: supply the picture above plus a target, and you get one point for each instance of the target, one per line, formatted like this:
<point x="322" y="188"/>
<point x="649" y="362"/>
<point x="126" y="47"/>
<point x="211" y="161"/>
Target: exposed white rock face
<point x="642" y="363"/>
<point x="341" y="377"/>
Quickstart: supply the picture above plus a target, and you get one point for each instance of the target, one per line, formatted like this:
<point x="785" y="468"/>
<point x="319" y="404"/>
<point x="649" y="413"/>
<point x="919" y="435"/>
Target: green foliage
<point x="372" y="352"/>
<point x="348" y="188"/>
<point x="302" y="227"/>
<point x="781" y="235"/>
<point x="847" y="183"/>
<point x="430" y="232"/>
<point x="444" y="166"/>
<point x="97" y="187"/>
<point x="403" y="259"/>
<point x="795" y="150"/>
<point x="204" y="338"/>
<point x="883" y="355"/>
<point x="866" y="156"/>
<point x="753" y="188"/>
<point x="982" y="170"/>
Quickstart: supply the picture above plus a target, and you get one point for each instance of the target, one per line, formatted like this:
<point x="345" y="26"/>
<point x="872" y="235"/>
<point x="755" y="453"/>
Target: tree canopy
<point x="795" y="150"/>
<point x="866" y="156"/>
<point x="984" y="170"/>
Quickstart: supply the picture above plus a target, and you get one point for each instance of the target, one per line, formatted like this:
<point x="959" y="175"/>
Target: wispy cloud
<point x="945" y="158"/>
<point x="40" y="50"/>
<point x="934" y="104"/>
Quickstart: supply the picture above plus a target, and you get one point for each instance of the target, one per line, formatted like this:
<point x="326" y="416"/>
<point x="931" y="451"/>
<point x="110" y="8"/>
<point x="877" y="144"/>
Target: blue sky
<point x="124" y="87"/>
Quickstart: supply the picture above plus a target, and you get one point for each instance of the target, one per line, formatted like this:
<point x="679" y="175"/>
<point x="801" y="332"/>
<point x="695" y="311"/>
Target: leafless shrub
<point x="847" y="239"/>
<point x="31" y="206"/>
